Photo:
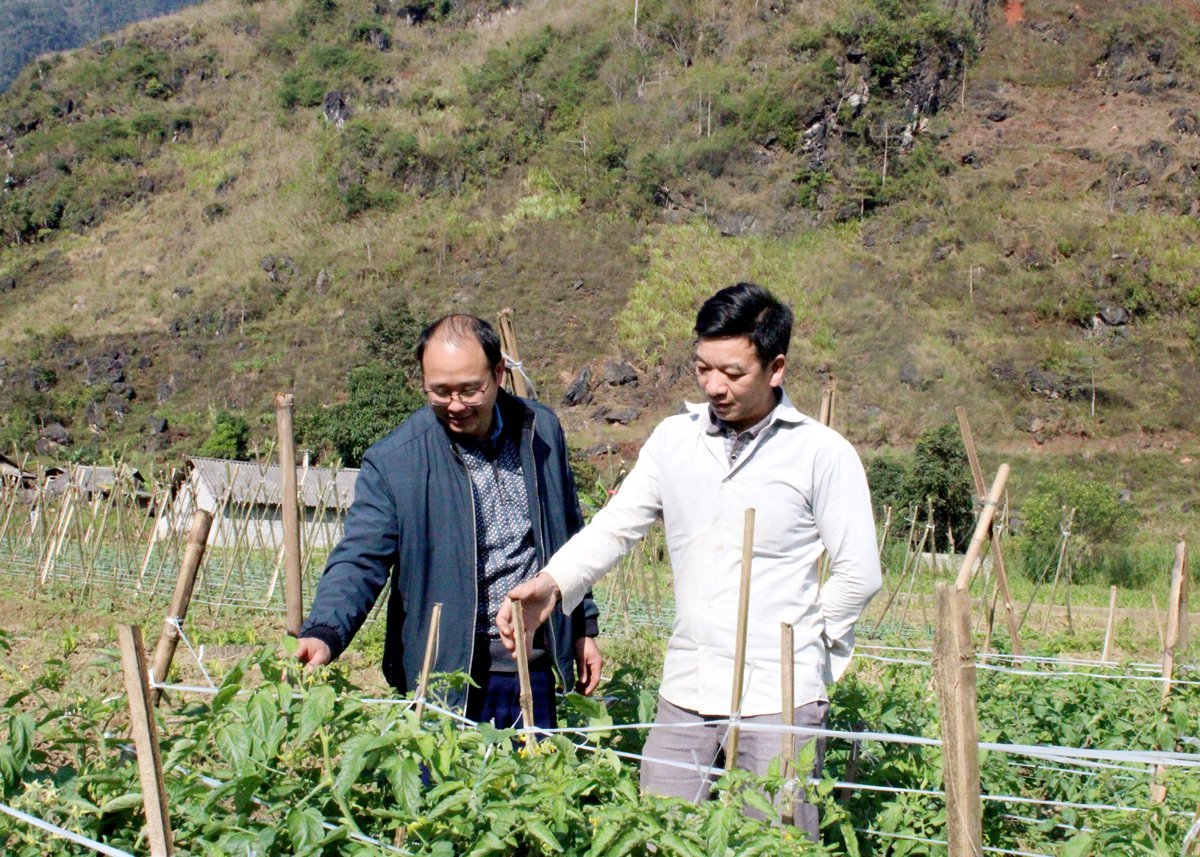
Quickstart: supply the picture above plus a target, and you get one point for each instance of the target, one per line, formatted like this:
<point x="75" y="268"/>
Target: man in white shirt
<point x="747" y="447"/>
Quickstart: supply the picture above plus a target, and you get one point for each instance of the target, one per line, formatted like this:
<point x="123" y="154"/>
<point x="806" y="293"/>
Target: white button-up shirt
<point x="809" y="492"/>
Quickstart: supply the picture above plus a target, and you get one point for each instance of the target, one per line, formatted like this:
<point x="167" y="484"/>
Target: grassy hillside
<point x="32" y="27"/>
<point x="227" y="202"/>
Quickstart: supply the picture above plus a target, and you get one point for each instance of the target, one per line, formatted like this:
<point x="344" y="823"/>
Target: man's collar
<point x="784" y="411"/>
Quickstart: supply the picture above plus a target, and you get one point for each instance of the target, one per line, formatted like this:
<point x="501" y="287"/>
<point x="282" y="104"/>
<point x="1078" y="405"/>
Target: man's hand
<point x="588" y="662"/>
<point x="313" y="652"/>
<point x="538" y="597"/>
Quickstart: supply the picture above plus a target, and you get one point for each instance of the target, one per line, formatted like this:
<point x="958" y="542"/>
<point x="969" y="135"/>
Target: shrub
<point x="230" y="438"/>
<point x="1099" y="530"/>
<point x="379" y="398"/>
<point x="941" y="473"/>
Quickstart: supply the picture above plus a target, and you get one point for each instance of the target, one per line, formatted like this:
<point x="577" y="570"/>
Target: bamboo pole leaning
<point x="293" y="587"/>
<point x="145" y="739"/>
<point x="164" y="653"/>
<point x="1175" y="618"/>
<point x="787" y="654"/>
<point x="739" y="653"/>
<point x="514" y="372"/>
<point x="1010" y="613"/>
<point x="431" y="648"/>
<point x="522" y="653"/>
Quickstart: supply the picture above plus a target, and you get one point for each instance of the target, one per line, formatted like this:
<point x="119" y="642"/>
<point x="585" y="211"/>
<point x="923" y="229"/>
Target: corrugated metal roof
<point x="251" y="482"/>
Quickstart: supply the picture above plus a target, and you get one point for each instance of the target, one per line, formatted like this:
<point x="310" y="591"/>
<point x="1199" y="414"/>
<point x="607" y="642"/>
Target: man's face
<point x="740" y="389"/>
<point x="460" y="387"/>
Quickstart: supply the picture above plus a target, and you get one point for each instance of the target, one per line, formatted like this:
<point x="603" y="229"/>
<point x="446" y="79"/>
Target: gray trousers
<point x="694" y="747"/>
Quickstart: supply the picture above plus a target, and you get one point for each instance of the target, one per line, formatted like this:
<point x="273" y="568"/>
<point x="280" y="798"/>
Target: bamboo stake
<point x="1158" y="791"/>
<point x="1112" y="621"/>
<point x="293" y="586"/>
<point x="787" y="653"/>
<point x="954" y="672"/>
<point x="1065" y="529"/>
<point x="909" y="555"/>
<point x="1158" y="623"/>
<point x="972" y="456"/>
<point x="964" y="426"/>
<point x="431" y="647"/>
<point x="828" y="393"/>
<point x="145" y="739"/>
<point x="159" y="507"/>
<point x="739" y="654"/>
<point x="508" y="343"/>
<point x="982" y="528"/>
<point x="522" y="653"/>
<point x="164" y="653"/>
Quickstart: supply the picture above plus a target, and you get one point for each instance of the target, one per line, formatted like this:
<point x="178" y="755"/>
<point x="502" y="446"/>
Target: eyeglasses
<point x="469" y="396"/>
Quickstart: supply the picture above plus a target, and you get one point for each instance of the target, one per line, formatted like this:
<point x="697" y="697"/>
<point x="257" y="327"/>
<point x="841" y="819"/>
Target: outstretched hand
<point x="313" y="652"/>
<point x="537" y="598"/>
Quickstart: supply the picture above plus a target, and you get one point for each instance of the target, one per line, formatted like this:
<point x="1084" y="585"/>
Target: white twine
<point x="63" y="833"/>
<point x="519" y="366"/>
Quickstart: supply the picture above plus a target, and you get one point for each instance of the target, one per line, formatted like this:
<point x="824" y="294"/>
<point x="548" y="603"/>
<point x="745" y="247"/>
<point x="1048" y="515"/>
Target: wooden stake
<point x="827" y="397"/>
<point x="431" y="646"/>
<point x="1014" y="631"/>
<point x="145" y="739"/>
<point x="508" y="344"/>
<point x="1158" y="623"/>
<point x="787" y="653"/>
<point x="739" y="653"/>
<point x="293" y="586"/>
<point x="954" y="672"/>
<point x="982" y="528"/>
<point x="1158" y="791"/>
<point x="1112" y="622"/>
<point x="164" y="653"/>
<point x="523" y="670"/>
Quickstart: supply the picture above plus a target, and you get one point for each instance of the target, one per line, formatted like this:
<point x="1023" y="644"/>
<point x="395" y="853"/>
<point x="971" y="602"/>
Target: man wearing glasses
<point x="467" y="498"/>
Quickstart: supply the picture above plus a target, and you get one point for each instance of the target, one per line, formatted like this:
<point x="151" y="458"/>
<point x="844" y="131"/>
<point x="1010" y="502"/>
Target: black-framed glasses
<point x="470" y="396"/>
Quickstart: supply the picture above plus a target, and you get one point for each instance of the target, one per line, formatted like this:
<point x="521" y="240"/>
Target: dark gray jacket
<point x="413" y="513"/>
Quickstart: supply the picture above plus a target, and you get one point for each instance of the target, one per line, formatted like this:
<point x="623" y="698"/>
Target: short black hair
<point x="747" y="309"/>
<point x="457" y="327"/>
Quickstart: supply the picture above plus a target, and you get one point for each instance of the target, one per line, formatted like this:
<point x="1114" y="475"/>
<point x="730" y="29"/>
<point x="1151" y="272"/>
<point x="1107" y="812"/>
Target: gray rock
<point x="56" y="433"/>
<point x="335" y="108"/>
<point x="579" y="392"/>
<point x="1184" y="122"/>
<point x="1045" y="383"/>
<point x="1114" y="316"/>
<point x="1031" y="423"/>
<point x="624" y="415"/>
<point x="618" y="373"/>
<point x="107" y="368"/>
<point x="156" y="425"/>
<point x="7" y="284"/>
<point x="116" y="405"/>
<point x="166" y="388"/>
<point x="125" y="391"/>
<point x="95" y="416"/>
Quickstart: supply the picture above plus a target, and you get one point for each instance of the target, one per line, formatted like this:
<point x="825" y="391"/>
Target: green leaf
<point x="305" y="827"/>
<point x="1078" y="845"/>
<point x="539" y="831"/>
<point x="119" y="804"/>
<point x="758" y="800"/>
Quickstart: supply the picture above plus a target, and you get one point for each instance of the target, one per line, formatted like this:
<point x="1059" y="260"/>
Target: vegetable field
<point x="270" y="761"/>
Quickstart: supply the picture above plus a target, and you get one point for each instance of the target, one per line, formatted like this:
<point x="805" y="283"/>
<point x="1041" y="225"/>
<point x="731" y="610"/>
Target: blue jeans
<point x="498" y="699"/>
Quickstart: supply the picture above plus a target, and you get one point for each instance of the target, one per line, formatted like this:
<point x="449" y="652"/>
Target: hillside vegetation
<point x="32" y="27"/>
<point x="234" y="200"/>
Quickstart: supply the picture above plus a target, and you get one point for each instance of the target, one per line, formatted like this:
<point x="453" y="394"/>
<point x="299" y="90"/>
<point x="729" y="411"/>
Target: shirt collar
<point x="784" y="411"/>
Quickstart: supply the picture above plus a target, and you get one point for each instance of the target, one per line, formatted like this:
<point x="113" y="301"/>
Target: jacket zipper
<point x="475" y="561"/>
<point x="541" y="547"/>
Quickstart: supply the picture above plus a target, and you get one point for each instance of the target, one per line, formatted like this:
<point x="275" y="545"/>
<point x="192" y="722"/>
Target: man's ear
<point x="775" y="370"/>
